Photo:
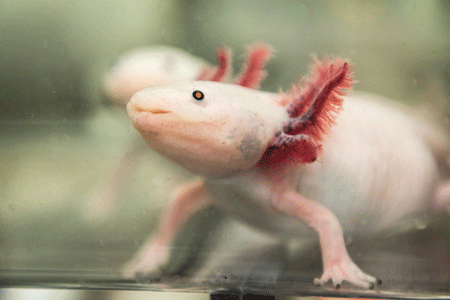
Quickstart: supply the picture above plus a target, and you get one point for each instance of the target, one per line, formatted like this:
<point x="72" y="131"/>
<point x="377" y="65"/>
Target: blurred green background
<point x="58" y="141"/>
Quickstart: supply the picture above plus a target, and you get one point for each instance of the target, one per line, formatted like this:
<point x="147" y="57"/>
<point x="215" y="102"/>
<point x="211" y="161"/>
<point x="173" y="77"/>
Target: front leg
<point x="337" y="264"/>
<point x="187" y="200"/>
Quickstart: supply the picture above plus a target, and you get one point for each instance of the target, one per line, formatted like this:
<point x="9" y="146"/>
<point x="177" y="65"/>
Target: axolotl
<point x="280" y="161"/>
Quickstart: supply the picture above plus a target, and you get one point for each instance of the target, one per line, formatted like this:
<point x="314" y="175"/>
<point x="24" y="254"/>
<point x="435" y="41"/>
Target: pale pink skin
<point x="377" y="161"/>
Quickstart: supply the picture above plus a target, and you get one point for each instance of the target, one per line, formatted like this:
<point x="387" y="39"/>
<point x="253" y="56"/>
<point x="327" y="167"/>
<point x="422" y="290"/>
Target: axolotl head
<point x="209" y="128"/>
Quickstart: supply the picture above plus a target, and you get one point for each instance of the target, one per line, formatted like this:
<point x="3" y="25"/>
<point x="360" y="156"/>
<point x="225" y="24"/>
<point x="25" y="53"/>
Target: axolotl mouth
<point x="152" y="123"/>
<point x="139" y="110"/>
<point x="154" y="115"/>
<point x="153" y="111"/>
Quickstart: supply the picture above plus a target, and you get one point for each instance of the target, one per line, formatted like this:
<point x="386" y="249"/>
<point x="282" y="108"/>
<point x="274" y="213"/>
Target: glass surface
<point x="80" y="191"/>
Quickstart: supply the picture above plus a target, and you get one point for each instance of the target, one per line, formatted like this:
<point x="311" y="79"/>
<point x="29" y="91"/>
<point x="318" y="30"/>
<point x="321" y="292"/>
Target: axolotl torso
<point x="257" y="159"/>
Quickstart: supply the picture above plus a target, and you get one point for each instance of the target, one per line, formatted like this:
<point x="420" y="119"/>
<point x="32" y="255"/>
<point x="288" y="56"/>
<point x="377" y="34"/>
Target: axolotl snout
<point x="207" y="127"/>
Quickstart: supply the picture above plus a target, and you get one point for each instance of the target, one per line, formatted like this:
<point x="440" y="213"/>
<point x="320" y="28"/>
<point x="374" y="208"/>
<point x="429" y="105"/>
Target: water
<point x="80" y="191"/>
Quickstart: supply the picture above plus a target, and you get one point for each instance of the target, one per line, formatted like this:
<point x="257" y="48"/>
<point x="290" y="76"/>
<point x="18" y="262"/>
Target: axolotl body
<point x="266" y="158"/>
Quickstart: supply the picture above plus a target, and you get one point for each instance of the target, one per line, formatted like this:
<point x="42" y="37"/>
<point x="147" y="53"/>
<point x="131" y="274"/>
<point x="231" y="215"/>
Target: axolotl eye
<point x="198" y="95"/>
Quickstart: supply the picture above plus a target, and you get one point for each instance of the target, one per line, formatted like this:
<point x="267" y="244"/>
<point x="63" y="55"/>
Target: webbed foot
<point x="346" y="270"/>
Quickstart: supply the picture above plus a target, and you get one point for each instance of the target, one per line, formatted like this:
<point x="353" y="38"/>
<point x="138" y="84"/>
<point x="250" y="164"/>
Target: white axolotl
<point x="256" y="154"/>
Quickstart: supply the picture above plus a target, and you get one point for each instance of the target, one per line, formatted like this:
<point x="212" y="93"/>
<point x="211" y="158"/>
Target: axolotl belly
<point x="260" y="159"/>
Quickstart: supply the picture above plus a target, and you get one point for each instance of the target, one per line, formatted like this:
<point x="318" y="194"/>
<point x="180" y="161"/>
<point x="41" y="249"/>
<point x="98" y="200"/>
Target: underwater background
<point x="60" y="139"/>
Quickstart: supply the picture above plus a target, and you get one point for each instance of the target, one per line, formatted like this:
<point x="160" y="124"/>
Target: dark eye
<point x="198" y="95"/>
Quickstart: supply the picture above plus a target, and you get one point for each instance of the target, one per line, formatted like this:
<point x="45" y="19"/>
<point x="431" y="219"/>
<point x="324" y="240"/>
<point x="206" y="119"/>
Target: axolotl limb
<point x="256" y="154"/>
